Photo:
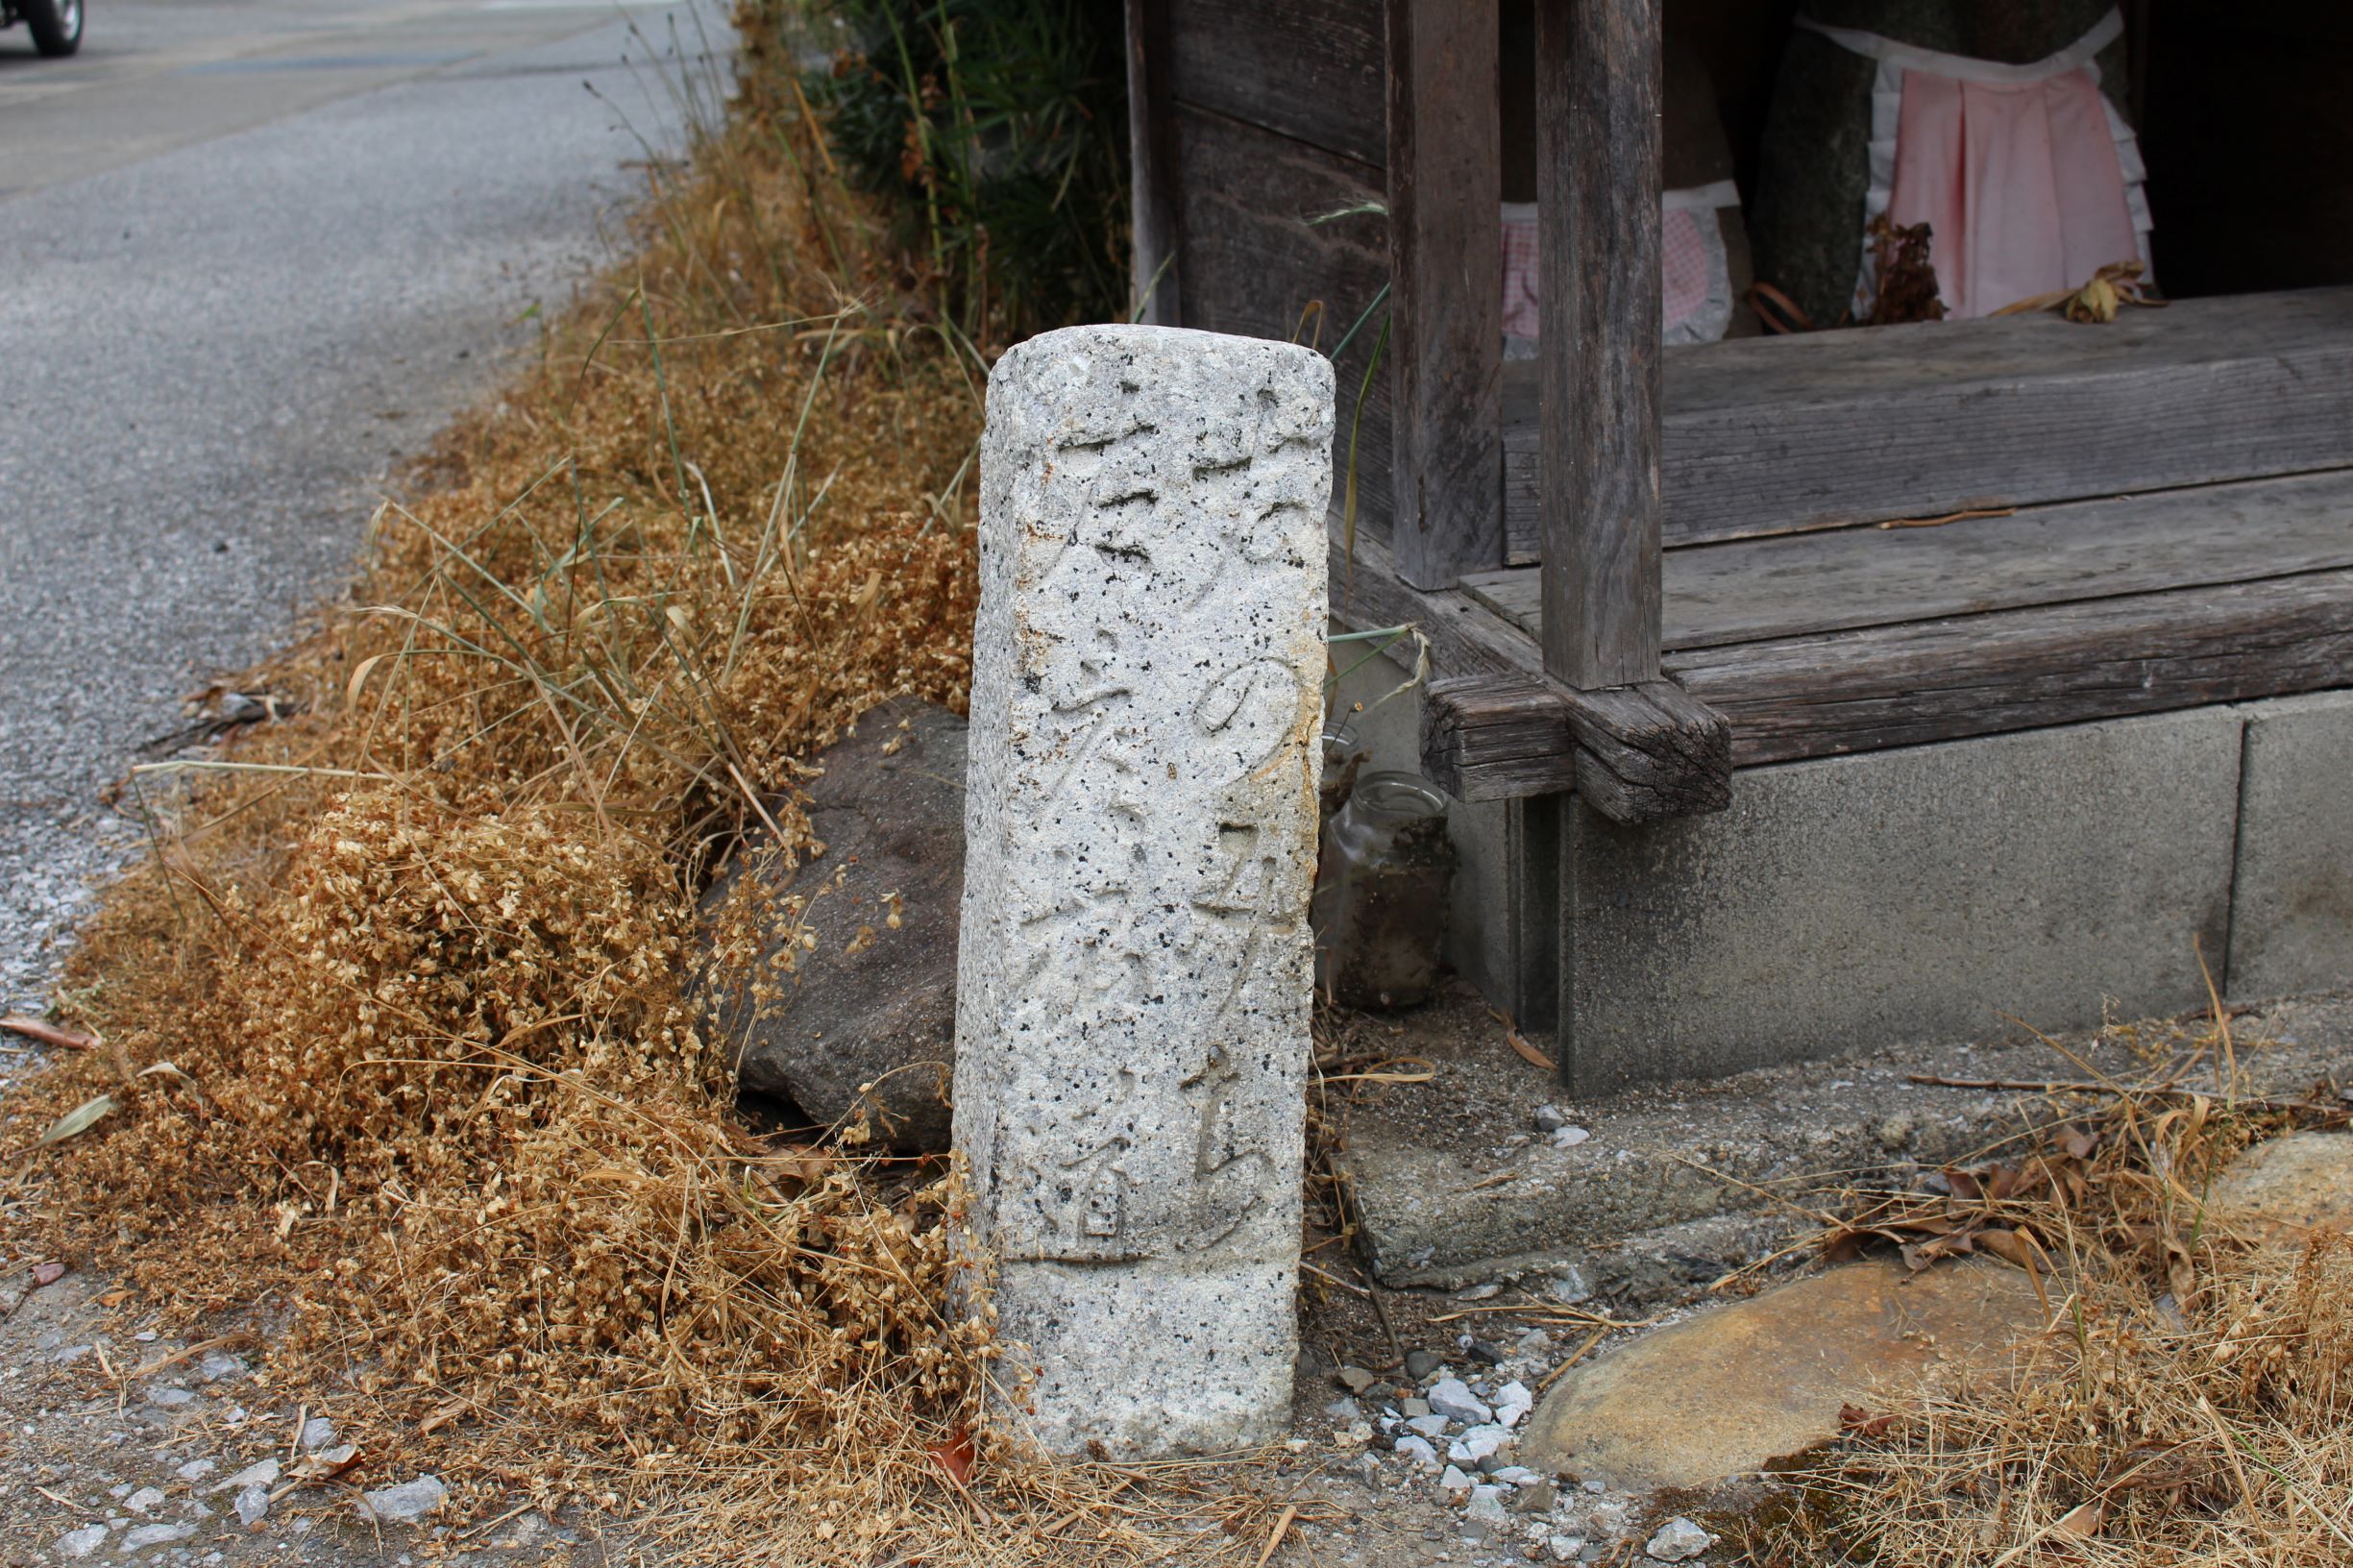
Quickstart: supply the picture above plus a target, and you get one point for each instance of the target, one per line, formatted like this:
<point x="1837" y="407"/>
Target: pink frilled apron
<point x="1694" y="270"/>
<point x="2030" y="180"/>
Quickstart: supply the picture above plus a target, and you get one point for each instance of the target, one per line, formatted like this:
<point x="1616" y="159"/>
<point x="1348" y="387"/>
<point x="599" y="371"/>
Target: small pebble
<point x="1355" y="1380"/>
<point x="1452" y="1398"/>
<point x="1418" y="1451"/>
<point x="1454" y="1480"/>
<point x="81" y="1543"/>
<point x="1551" y="1118"/>
<point x="218" y="1364"/>
<point x="1678" y="1540"/>
<point x="415" y="1498"/>
<point x="1565" y="1548"/>
<point x="169" y="1399"/>
<point x="144" y="1500"/>
<point x="1568" y="1138"/>
<point x="262" y="1473"/>
<point x="253" y="1505"/>
<point x="1427" y="1426"/>
<point x="1481" y="1350"/>
<point x="1420" y="1364"/>
<point x="1412" y="1408"/>
<point x="196" y="1469"/>
<point x="317" y="1432"/>
<point x="147" y="1536"/>
<point x="1487" y="1507"/>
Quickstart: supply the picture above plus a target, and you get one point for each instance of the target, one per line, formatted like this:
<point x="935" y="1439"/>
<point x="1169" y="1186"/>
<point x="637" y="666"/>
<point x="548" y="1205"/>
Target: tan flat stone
<point x="1719" y="1394"/>
<point x="2286" y="1188"/>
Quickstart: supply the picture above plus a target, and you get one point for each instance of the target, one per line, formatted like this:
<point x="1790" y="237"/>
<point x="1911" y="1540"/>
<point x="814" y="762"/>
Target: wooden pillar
<point x="1151" y="126"/>
<point x="1597" y="197"/>
<point x="1446" y="280"/>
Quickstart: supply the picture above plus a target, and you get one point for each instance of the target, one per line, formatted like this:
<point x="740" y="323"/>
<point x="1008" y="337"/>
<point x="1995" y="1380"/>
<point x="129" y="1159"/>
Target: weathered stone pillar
<point x="1135" y="967"/>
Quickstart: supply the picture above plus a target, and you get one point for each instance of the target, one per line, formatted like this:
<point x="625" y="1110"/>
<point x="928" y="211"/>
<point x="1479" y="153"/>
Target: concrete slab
<point x="1913" y="894"/>
<point x="1721" y="1392"/>
<point x="1456" y="1183"/>
<point x="2291" y="906"/>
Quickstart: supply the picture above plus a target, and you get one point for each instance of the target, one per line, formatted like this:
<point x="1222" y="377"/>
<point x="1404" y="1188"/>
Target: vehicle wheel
<point x="56" y="25"/>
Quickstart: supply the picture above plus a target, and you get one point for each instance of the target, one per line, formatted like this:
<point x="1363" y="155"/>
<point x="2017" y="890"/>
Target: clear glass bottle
<point x="1380" y="893"/>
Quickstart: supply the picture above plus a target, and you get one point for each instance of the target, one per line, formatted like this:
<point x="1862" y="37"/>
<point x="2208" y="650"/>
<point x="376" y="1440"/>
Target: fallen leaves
<point x="80" y="1119"/>
<point x="2108" y="290"/>
<point x="49" y="1034"/>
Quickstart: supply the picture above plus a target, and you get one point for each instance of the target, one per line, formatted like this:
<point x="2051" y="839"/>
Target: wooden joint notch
<point x="1639" y="753"/>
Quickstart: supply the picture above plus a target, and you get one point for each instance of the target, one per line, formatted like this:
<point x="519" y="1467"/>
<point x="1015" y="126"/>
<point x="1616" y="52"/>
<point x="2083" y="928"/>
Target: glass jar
<point x="1344" y="758"/>
<point x="1380" y="893"/>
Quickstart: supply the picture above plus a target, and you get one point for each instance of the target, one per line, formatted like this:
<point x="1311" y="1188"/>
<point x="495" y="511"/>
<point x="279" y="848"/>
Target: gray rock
<point x="1487" y="1507"/>
<point x="261" y="1473"/>
<point x="253" y="1505"/>
<point x="409" y="1500"/>
<point x="1412" y="1408"/>
<point x="1678" y="1540"/>
<point x="1420" y="1364"/>
<point x="1432" y="1424"/>
<point x="1345" y="1410"/>
<point x="317" y="1432"/>
<point x="81" y="1543"/>
<point x="196" y="1469"/>
<point x="147" y="1536"/>
<point x="219" y="1365"/>
<point x="1355" y="1380"/>
<point x="870" y="1004"/>
<point x="1418" y="1450"/>
<point x="169" y="1399"/>
<point x="1453" y="1482"/>
<point x="144" y="1500"/>
<point x="1452" y="1398"/>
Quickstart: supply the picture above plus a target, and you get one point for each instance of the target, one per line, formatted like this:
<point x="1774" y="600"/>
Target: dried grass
<point x="2190" y="1403"/>
<point x="440" y="1107"/>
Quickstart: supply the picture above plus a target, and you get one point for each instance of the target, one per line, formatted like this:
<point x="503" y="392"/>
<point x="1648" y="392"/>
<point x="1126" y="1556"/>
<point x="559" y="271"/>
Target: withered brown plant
<point x="441" y="1117"/>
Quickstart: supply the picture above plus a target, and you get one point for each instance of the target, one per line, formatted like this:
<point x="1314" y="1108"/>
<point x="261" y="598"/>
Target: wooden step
<point x="1753" y="589"/>
<point x="1782" y="434"/>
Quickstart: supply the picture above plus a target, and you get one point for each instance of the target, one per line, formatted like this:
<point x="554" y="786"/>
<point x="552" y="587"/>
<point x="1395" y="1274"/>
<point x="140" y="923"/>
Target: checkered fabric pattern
<point x="1683" y="265"/>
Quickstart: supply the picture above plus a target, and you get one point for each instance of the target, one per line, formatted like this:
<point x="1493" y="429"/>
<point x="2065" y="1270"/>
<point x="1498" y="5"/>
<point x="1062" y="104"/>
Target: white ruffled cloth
<point x="2029" y="179"/>
<point x="1695" y="274"/>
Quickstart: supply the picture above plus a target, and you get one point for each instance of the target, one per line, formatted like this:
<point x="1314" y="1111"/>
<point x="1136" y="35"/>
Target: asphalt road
<point x="251" y="256"/>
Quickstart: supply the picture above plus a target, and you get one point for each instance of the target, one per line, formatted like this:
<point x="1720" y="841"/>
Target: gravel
<point x="1452" y="1398"/>
<point x="409" y="1500"/>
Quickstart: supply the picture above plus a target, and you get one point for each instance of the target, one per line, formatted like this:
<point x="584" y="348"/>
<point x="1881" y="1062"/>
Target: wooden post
<point x="1446" y="282"/>
<point x="1597" y="197"/>
<point x="1151" y="125"/>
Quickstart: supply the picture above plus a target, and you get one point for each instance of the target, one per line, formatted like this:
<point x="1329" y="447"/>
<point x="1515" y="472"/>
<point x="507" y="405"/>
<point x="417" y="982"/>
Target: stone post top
<point x="1086" y="353"/>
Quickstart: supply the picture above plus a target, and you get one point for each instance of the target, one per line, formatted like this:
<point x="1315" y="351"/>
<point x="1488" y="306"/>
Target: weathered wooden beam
<point x="2024" y="668"/>
<point x="1640" y="754"/>
<point x="1445" y="185"/>
<point x="1495" y="728"/>
<point x="1151" y="124"/>
<point x="1598" y="89"/>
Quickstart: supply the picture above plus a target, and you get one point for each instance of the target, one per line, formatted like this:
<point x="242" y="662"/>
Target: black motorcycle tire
<point x="56" y="25"/>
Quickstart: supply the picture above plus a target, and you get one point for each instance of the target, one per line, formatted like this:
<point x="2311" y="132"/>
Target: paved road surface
<point x="252" y="252"/>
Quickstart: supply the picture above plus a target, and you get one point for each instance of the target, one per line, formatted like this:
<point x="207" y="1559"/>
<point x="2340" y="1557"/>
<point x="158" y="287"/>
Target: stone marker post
<point x="1136" y="966"/>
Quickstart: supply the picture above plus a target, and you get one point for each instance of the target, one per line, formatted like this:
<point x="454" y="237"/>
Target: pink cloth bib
<point x="2028" y="179"/>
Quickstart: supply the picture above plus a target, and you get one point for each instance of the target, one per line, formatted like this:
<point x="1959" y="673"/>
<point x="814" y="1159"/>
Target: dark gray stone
<point x="860" y="1009"/>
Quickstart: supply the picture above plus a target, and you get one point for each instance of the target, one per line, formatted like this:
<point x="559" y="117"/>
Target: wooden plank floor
<point x="1754" y="589"/>
<point x="1826" y="429"/>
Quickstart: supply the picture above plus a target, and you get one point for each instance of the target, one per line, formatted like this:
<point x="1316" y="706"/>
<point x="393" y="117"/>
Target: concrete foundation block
<point x="2291" y="905"/>
<point x="1913" y="894"/>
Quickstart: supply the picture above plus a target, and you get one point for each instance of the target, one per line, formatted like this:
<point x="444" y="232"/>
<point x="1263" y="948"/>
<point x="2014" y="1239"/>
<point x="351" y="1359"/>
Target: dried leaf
<point x="1529" y="1054"/>
<point x="955" y="1455"/>
<point x="2083" y="1520"/>
<point x="81" y="1118"/>
<point x="48" y="1273"/>
<point x="49" y="1034"/>
<point x="1861" y="1423"/>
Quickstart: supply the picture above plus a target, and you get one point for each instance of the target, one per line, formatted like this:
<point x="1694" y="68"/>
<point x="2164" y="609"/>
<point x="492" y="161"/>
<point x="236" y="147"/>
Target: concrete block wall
<point x="1924" y="893"/>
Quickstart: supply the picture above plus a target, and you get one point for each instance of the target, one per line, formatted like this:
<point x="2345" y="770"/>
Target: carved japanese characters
<point x="1135" y="972"/>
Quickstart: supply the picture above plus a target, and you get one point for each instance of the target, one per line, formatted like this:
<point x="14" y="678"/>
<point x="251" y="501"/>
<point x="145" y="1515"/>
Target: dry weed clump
<point x="2188" y="1403"/>
<point x="439" y="1104"/>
